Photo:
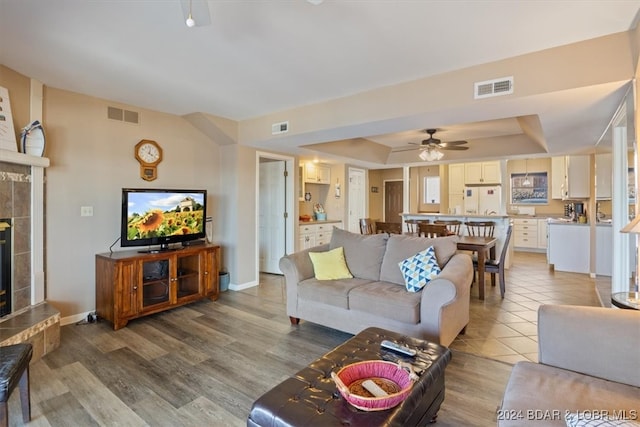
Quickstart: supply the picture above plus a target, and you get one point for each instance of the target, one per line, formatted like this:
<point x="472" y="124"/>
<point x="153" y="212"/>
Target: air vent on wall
<point x="122" y="115"/>
<point x="278" y="128"/>
<point x="495" y="87"/>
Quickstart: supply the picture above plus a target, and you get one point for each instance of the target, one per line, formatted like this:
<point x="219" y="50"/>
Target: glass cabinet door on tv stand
<point x="156" y="283"/>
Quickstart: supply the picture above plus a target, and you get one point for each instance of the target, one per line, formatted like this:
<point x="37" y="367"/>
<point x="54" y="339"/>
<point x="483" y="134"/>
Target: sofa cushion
<point x="330" y="265"/>
<point x="401" y="247"/>
<point x="386" y="300"/>
<point x="595" y="419"/>
<point x="363" y="253"/>
<point x="331" y="292"/>
<point x="564" y="391"/>
<point x="419" y="269"/>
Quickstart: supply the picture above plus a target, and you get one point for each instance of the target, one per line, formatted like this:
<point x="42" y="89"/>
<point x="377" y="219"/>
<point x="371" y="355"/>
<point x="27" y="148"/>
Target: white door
<point x="357" y="199"/>
<point x="271" y="215"/>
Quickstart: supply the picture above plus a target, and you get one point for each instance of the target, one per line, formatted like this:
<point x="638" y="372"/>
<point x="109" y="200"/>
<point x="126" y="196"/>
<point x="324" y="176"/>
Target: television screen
<point x="162" y="216"/>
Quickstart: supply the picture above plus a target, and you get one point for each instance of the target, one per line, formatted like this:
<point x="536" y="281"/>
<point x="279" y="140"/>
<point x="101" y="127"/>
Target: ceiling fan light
<point x="424" y="155"/>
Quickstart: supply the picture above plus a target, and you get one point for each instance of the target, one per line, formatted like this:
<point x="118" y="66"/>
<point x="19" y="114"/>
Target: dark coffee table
<point x="310" y="397"/>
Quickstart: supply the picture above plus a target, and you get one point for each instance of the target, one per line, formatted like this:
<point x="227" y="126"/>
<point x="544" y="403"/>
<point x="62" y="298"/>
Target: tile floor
<point x="506" y="329"/>
<point x="502" y="329"/>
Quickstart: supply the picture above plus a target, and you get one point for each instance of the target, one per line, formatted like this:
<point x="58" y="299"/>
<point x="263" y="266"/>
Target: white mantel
<point x="38" y="164"/>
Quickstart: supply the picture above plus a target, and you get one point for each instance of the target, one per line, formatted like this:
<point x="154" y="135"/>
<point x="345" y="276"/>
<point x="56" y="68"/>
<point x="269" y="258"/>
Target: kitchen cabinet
<point x="530" y="234"/>
<point x="542" y="234"/>
<point x="456" y="186"/>
<point x="525" y="233"/>
<point x="569" y="247"/>
<point x="603" y="176"/>
<point x="130" y="284"/>
<point x="315" y="173"/>
<point x="317" y="234"/>
<point x="482" y="173"/>
<point x="604" y="254"/>
<point x="570" y="177"/>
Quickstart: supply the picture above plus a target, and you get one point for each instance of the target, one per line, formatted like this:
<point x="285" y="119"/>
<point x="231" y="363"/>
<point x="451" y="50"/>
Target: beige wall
<point x="554" y="207"/>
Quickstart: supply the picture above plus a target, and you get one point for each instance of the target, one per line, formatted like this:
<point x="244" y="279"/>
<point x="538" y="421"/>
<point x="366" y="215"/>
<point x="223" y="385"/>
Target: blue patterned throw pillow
<point x="419" y="269"/>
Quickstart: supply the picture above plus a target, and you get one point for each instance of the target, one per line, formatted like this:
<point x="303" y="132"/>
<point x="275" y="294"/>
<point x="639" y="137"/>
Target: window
<point x="533" y="192"/>
<point x="431" y="190"/>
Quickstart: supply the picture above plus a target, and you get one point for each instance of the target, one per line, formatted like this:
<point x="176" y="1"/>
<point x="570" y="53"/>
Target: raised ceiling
<point x="255" y="59"/>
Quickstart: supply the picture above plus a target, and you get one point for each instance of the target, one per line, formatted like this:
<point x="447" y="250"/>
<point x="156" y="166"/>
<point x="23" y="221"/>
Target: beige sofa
<point x="589" y="367"/>
<point x="376" y="295"/>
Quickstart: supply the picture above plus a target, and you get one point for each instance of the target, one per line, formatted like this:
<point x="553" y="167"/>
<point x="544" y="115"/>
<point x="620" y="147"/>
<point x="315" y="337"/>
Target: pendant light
<point x="190" y="22"/>
<point x="526" y="182"/>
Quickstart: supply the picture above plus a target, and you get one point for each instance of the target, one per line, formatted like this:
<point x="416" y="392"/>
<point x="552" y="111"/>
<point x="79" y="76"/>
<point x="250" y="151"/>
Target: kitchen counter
<point x="427" y="215"/>
<point x="325" y="221"/>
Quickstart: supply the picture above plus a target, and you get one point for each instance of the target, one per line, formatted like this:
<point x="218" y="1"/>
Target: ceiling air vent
<point x="278" y="128"/>
<point x="121" y="115"/>
<point x="496" y="87"/>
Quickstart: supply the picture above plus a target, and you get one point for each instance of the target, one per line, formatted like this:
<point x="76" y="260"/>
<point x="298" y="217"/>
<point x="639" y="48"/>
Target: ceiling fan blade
<point x="453" y="143"/>
<point x="454" y="148"/>
<point x="400" y="149"/>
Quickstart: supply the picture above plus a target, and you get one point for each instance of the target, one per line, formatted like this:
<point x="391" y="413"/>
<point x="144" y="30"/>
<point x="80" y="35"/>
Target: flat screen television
<point x="162" y="216"/>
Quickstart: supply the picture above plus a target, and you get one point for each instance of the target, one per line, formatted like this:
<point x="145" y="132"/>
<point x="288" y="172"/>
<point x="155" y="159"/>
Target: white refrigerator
<point x="482" y="200"/>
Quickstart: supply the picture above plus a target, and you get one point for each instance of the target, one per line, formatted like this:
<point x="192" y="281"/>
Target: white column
<point x="37" y="234"/>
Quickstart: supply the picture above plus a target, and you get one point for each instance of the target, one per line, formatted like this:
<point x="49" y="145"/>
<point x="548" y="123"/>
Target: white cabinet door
<point x="558" y="177"/>
<point x="473" y="173"/>
<point x="323" y="174"/>
<point x="603" y="176"/>
<point x="482" y="173"/>
<point x="542" y="234"/>
<point x="491" y="172"/>
<point x="578" y="177"/>
<point x="569" y="247"/>
<point x="604" y="254"/>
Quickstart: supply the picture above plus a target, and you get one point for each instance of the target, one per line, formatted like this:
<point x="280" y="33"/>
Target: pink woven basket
<point x="392" y="374"/>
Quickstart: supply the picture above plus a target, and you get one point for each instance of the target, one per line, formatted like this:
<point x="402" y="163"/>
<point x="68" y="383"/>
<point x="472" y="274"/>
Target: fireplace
<point x="5" y="266"/>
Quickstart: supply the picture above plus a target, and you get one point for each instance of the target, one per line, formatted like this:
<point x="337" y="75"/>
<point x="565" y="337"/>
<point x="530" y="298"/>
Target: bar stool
<point x="14" y="370"/>
<point x="452" y="225"/>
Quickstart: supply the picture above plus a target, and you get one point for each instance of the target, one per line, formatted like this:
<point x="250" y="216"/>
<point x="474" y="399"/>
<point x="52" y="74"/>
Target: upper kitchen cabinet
<point x="317" y="174"/>
<point x="483" y="173"/>
<point x="570" y="177"/>
<point x="603" y="176"/>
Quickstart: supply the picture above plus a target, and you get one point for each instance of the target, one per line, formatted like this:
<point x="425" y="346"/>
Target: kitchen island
<point x="502" y="223"/>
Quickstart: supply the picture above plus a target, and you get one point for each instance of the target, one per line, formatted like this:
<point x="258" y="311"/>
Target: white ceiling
<point x="253" y="58"/>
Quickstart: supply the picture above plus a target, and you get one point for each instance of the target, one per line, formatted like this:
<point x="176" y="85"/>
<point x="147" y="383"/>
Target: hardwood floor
<point x="204" y="364"/>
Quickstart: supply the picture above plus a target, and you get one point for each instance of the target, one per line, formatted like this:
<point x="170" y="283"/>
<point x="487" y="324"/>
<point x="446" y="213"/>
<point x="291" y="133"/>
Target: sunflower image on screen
<point x="172" y="214"/>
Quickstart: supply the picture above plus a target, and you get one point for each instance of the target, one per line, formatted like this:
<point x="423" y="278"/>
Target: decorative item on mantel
<point x="7" y="131"/>
<point x="319" y="213"/>
<point x="32" y="140"/>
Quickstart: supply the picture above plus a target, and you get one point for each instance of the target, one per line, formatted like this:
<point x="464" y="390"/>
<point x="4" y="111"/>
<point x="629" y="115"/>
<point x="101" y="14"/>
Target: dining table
<point x="480" y="245"/>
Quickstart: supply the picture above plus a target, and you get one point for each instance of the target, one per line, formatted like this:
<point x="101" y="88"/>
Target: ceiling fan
<point x="435" y="143"/>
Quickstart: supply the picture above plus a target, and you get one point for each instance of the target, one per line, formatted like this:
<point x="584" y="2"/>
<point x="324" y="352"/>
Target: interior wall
<point x="19" y="87"/>
<point x="92" y="159"/>
<point x="555" y="206"/>
<point x="375" y="194"/>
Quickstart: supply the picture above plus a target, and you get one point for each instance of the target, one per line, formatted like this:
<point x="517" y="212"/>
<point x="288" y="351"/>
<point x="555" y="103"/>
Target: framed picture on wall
<point x="529" y="188"/>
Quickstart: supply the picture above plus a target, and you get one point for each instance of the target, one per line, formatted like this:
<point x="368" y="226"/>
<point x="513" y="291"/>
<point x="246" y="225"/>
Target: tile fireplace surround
<point x="22" y="200"/>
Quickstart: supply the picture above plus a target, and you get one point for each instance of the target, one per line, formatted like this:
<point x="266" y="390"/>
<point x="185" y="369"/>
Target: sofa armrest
<point x="596" y="341"/>
<point x="444" y="306"/>
<point x="297" y="267"/>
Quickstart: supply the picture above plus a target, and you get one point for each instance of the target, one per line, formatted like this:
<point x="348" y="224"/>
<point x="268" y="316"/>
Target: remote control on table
<point x="397" y="347"/>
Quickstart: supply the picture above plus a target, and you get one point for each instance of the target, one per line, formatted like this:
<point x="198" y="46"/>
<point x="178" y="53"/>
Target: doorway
<point x="393" y="200"/>
<point x="274" y="211"/>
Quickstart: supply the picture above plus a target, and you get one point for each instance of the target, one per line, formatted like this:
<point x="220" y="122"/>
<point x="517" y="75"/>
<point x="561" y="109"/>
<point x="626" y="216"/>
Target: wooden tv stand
<point x="130" y="284"/>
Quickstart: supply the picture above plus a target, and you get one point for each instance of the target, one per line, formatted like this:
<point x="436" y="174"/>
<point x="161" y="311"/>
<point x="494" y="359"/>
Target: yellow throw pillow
<point x="330" y="265"/>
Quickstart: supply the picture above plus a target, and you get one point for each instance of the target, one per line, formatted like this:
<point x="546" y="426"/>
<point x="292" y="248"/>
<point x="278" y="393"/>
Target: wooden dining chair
<point x="412" y="225"/>
<point x="367" y="226"/>
<point x="388" y="227"/>
<point x="433" y="230"/>
<point x="453" y="225"/>
<point x="480" y="228"/>
<point x="494" y="266"/>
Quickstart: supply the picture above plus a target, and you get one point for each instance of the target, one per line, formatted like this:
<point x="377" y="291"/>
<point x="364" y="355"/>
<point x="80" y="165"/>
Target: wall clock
<point x="149" y="155"/>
